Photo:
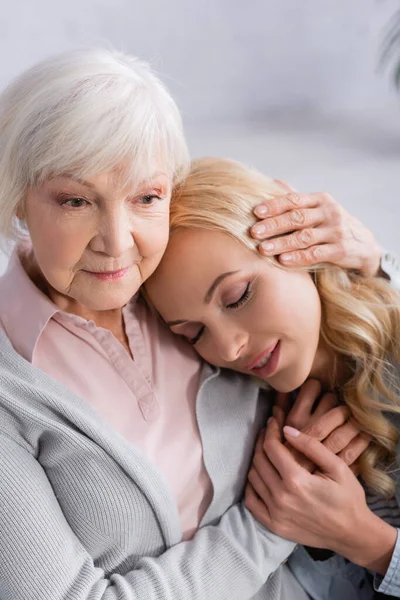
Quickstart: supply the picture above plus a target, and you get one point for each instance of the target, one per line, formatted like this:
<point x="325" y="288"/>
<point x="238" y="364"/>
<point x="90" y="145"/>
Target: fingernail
<point x="269" y="420"/>
<point x="261" y="210"/>
<point x="286" y="257"/>
<point x="291" y="431"/>
<point x="258" y="229"/>
<point x="267" y="246"/>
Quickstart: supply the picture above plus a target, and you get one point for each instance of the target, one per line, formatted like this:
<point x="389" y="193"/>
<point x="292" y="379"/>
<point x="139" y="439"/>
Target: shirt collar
<point x="24" y="309"/>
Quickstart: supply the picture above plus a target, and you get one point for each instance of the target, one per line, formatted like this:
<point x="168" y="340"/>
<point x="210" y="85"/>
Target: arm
<point x="41" y="558"/>
<point x="320" y="230"/>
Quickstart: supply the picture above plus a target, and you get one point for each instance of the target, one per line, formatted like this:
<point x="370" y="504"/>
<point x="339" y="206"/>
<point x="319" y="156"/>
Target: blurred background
<point x="291" y="87"/>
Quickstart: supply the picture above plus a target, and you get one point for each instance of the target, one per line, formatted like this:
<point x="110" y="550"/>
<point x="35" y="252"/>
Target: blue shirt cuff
<point x="390" y="583"/>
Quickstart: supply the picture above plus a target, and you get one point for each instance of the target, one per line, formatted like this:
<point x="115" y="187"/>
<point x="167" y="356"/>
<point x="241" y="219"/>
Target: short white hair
<point x="82" y="113"/>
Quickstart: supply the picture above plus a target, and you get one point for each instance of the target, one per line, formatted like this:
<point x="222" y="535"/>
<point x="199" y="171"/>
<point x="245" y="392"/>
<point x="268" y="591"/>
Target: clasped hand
<point x="302" y="487"/>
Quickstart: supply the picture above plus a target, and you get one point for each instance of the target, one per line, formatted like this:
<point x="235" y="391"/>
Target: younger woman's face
<point x="238" y="310"/>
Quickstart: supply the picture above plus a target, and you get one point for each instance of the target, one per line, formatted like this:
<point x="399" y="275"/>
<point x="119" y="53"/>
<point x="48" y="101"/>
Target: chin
<point x="289" y="380"/>
<point x="106" y="300"/>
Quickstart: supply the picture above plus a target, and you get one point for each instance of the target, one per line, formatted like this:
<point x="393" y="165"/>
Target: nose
<point x="115" y="234"/>
<point x="230" y="344"/>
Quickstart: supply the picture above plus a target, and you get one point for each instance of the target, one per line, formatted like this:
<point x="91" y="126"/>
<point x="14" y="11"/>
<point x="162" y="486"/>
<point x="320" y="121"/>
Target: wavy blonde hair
<point x="360" y="315"/>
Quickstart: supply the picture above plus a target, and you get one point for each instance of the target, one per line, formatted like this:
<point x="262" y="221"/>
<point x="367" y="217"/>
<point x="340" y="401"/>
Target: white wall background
<point x="221" y="58"/>
<point x="288" y="85"/>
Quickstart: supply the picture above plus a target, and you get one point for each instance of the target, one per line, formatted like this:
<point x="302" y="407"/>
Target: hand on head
<point x="305" y="229"/>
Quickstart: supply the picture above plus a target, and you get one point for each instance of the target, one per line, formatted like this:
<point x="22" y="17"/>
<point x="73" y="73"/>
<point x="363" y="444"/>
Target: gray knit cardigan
<point x="85" y="516"/>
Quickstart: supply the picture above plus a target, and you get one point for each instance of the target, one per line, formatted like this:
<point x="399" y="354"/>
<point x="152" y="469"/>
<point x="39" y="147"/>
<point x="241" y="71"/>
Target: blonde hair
<point x="82" y="113"/>
<point x="360" y="315"/>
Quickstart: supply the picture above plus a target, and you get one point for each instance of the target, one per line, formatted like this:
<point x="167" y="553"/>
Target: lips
<point x="266" y="363"/>
<point x="109" y="275"/>
<point x="261" y="358"/>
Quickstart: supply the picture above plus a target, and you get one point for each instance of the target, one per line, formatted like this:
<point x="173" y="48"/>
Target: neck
<point x="331" y="369"/>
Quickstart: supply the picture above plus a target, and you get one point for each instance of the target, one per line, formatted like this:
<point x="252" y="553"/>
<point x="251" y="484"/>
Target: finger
<point x="322" y="426"/>
<point x="284" y="401"/>
<point x="301" y="460"/>
<point x="321" y="253"/>
<point x="280" y="417"/>
<point x="341" y="437"/>
<point x="259" y="486"/>
<point x="328" y="462"/>
<point x="327" y="402"/>
<point x="286" y="223"/>
<point x="266" y="471"/>
<point x="299" y="240"/>
<point x="256" y="506"/>
<point x="354" y="449"/>
<point x="280" y="458"/>
<point x="300" y="414"/>
<point x="281" y="204"/>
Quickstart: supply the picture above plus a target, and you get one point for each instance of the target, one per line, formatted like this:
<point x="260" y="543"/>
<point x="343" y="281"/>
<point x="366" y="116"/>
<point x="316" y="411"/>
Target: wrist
<point x="373" y="545"/>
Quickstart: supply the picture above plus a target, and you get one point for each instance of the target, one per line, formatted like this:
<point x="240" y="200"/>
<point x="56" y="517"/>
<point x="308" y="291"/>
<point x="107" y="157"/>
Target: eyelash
<point x="242" y="300"/>
<point x="147" y="196"/>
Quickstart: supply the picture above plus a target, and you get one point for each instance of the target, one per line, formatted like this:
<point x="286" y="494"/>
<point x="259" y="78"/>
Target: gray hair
<point x="82" y="113"/>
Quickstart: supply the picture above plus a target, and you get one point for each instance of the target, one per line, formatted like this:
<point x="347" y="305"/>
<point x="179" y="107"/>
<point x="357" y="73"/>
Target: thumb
<point x="321" y="456"/>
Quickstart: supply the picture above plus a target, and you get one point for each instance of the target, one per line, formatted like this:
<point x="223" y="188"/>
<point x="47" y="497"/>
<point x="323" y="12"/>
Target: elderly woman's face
<point x="95" y="242"/>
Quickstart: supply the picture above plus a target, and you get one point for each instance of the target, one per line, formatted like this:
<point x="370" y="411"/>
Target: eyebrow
<point x="208" y="296"/>
<point x="154" y="176"/>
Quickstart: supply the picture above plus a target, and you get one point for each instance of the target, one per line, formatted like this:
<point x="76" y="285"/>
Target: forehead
<point x="115" y="180"/>
<point x="191" y="249"/>
<point x="193" y="259"/>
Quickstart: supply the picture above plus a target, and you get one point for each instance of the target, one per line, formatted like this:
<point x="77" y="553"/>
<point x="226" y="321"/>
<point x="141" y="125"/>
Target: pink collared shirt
<point x="150" y="400"/>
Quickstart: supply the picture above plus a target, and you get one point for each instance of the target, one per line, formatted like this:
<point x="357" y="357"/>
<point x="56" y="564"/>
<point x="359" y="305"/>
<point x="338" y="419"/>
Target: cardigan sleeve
<point x="42" y="558"/>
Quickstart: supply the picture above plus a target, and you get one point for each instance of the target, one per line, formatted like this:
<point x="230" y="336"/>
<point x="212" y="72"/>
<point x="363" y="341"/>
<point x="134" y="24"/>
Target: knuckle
<point x="298" y="217"/>
<point x="315" y="253"/>
<point x="294" y="199"/>
<point x="328" y="199"/>
<point x="272" y="224"/>
<point x="349" y="455"/>
<point x="335" y="443"/>
<point x="283" y="505"/>
<point x="335" y="212"/>
<point x="294" y="485"/>
<point x="342" y="468"/>
<point x="306" y="237"/>
<point x="314" y="430"/>
<point x="340" y="234"/>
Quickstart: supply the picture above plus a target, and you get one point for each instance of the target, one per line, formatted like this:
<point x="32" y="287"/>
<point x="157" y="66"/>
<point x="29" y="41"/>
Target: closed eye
<point x="242" y="300"/>
<point x="196" y="338"/>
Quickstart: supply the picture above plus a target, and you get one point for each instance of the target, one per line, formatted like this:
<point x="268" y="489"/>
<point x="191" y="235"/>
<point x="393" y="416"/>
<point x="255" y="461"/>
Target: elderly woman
<point x="123" y="458"/>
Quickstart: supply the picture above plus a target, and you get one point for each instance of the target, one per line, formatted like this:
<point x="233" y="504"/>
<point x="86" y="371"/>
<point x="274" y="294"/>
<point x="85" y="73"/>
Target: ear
<point x="20" y="213"/>
<point x="286" y="185"/>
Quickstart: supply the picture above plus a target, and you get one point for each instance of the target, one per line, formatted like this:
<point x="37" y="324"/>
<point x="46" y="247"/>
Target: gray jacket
<point x="85" y="516"/>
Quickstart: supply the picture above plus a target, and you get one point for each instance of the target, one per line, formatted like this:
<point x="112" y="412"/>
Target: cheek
<point x="57" y="247"/>
<point x="152" y="239"/>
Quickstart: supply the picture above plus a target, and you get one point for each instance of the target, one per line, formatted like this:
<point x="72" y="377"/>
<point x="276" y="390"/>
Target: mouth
<point x="265" y="364"/>
<point x="109" y="275"/>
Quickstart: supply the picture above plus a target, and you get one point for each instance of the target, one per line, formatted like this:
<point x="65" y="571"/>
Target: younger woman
<point x="250" y="314"/>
